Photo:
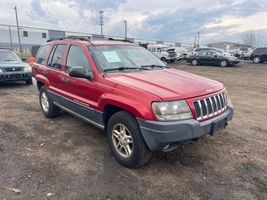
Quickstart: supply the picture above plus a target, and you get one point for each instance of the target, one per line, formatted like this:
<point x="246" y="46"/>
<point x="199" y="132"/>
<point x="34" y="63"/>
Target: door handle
<point x="65" y="79"/>
<point x="45" y="72"/>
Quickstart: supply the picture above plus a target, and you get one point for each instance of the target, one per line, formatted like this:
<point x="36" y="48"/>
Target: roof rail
<point x="73" y="37"/>
<point x="122" y="40"/>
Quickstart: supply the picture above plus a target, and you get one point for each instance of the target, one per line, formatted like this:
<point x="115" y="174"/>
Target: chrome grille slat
<point x="212" y="105"/>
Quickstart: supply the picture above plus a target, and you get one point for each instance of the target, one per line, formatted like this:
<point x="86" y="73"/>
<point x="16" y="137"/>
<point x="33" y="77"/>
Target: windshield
<point x="218" y="52"/>
<point x="121" y="57"/>
<point x="8" y="56"/>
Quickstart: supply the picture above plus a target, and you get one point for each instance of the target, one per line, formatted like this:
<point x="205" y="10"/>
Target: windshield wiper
<point x="120" y="69"/>
<point x="152" y="66"/>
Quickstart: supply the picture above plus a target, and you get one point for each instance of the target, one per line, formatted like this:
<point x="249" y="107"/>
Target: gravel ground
<point x="65" y="158"/>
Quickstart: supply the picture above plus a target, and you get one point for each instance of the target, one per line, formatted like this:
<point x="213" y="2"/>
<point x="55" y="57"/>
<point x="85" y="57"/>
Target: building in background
<point x="31" y="36"/>
<point x="228" y="45"/>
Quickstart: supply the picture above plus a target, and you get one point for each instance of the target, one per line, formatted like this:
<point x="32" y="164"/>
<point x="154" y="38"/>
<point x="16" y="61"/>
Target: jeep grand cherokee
<point x="123" y="89"/>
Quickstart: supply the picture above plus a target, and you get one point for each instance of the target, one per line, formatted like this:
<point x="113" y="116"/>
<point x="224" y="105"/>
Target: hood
<point x="167" y="84"/>
<point x="12" y="64"/>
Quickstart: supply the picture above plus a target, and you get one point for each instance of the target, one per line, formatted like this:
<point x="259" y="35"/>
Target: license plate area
<point x="218" y="126"/>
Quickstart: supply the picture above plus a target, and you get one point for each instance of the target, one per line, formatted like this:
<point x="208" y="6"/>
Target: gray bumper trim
<point x="159" y="134"/>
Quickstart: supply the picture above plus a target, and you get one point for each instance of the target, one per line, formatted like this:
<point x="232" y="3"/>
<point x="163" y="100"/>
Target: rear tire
<point x="163" y="59"/>
<point x="194" y="62"/>
<point x="47" y="106"/>
<point x="124" y="136"/>
<point x="29" y="81"/>
<point x="257" y="59"/>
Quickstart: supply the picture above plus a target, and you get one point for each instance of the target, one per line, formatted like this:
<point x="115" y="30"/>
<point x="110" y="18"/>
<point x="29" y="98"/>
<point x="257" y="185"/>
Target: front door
<point x="81" y="94"/>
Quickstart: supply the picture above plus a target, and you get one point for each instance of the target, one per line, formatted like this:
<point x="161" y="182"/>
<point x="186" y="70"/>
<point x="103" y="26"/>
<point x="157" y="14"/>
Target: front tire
<point x="223" y="63"/>
<point x="29" y="81"/>
<point x="126" y="140"/>
<point x="47" y="106"/>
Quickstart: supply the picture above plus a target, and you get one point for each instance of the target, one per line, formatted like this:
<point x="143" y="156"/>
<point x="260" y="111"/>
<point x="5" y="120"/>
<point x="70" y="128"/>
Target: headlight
<point x="27" y="69"/>
<point x="1" y="70"/>
<point x="172" y="110"/>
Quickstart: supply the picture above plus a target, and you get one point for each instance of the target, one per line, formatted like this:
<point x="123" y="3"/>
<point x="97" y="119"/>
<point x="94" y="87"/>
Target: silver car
<point x="12" y="68"/>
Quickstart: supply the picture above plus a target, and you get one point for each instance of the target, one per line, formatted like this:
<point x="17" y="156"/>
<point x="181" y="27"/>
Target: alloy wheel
<point x="122" y="141"/>
<point x="44" y="102"/>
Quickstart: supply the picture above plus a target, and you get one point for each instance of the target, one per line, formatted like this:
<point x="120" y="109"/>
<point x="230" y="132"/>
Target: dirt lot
<point x="71" y="159"/>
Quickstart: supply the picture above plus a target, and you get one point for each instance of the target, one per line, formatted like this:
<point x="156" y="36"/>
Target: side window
<point x="56" y="56"/>
<point x="76" y="57"/>
<point x="42" y="54"/>
<point x="158" y="49"/>
<point x="202" y="53"/>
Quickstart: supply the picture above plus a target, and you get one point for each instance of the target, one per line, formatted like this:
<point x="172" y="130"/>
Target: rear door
<point x="54" y="69"/>
<point x="264" y="54"/>
<point x="203" y="57"/>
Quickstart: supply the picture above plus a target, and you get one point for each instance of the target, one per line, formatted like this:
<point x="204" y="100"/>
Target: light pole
<point x="101" y="12"/>
<point x="125" y="29"/>
<point x="20" y="47"/>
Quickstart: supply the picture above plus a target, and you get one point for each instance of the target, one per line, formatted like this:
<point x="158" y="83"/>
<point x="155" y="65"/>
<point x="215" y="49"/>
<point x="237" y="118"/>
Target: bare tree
<point x="250" y="38"/>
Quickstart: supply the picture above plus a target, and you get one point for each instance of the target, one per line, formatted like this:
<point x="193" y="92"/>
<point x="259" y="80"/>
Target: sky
<point x="170" y="20"/>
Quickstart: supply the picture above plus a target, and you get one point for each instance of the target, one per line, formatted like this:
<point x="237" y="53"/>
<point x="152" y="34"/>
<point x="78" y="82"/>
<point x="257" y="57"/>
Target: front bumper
<point x="165" y="136"/>
<point x="15" y="76"/>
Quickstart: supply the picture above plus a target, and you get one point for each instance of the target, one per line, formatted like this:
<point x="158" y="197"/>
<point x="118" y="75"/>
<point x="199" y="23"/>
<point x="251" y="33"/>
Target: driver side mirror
<point x="79" y="72"/>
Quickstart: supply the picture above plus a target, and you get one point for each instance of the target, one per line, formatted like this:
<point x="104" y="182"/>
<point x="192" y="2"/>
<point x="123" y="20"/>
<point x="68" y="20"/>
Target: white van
<point x="163" y="52"/>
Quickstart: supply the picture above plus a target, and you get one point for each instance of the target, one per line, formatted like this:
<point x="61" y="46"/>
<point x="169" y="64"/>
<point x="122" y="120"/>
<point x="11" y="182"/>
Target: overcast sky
<point x="170" y="20"/>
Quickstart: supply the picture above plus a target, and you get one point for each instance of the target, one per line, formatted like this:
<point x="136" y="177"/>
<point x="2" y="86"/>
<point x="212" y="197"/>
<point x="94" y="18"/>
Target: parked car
<point x="126" y="91"/>
<point x="160" y="51"/>
<point x="225" y="53"/>
<point x="178" y="55"/>
<point x="12" y="68"/>
<point x="259" y="55"/>
<point x="212" y="57"/>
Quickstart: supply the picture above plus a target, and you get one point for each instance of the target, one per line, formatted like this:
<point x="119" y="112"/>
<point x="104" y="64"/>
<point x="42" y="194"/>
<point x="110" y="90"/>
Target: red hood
<point x="168" y="84"/>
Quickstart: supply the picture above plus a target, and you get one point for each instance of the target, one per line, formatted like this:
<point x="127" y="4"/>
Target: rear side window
<point x="77" y="57"/>
<point x="42" y="54"/>
<point x="56" y="57"/>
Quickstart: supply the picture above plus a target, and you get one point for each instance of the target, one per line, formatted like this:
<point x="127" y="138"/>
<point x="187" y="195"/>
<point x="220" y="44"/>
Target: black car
<point x="12" y="68"/>
<point x="212" y="57"/>
<point x="259" y="55"/>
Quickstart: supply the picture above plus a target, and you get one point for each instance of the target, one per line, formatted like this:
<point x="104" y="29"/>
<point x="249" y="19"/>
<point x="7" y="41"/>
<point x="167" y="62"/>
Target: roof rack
<point x="74" y="37"/>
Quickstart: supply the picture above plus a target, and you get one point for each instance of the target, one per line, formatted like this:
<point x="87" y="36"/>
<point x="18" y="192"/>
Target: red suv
<point x="123" y="89"/>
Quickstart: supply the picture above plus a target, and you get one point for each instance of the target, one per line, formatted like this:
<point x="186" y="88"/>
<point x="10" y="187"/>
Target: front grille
<point x="6" y="77"/>
<point x="13" y="69"/>
<point x="210" y="106"/>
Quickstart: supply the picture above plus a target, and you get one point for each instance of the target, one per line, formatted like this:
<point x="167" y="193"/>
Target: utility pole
<point x="125" y="27"/>
<point x="101" y="12"/>
<point x="195" y="42"/>
<point x="10" y="37"/>
<point x="198" y="39"/>
<point x="20" y="47"/>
